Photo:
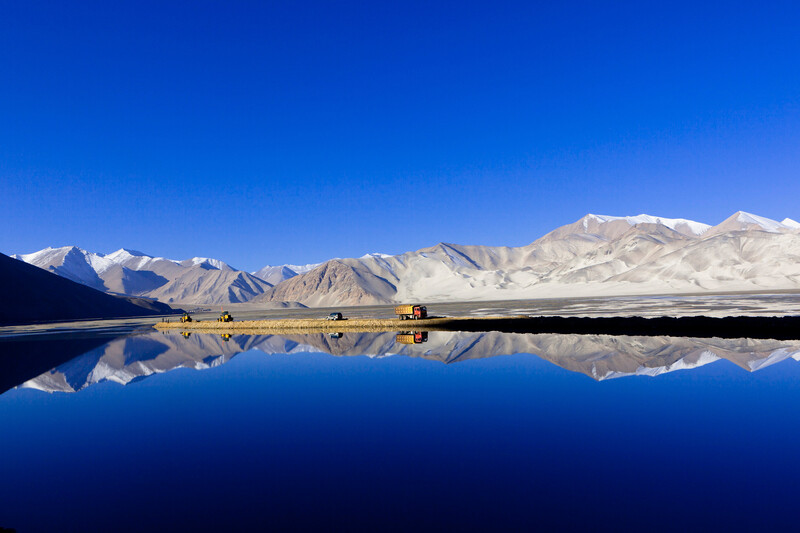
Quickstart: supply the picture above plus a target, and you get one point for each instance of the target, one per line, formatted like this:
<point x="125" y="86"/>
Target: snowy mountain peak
<point x="216" y="263"/>
<point x="789" y="223"/>
<point x="379" y="255"/>
<point x="49" y="255"/>
<point x="70" y="262"/>
<point x="296" y="268"/>
<point x="123" y="254"/>
<point x="275" y="274"/>
<point x="300" y="269"/>
<point x="766" y="223"/>
<point x="743" y="221"/>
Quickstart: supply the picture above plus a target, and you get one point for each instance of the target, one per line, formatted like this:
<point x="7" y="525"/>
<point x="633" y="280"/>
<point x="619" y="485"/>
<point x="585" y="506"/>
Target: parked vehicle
<point x="335" y="316"/>
<point x="409" y="312"/>
<point x="186" y="318"/>
<point x="225" y="317"/>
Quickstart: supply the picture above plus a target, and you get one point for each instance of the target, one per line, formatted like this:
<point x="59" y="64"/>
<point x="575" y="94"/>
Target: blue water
<point x="313" y="441"/>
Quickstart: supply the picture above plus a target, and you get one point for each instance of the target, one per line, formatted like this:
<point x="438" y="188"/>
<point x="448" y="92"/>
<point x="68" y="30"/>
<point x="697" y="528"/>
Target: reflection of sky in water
<point x="401" y="442"/>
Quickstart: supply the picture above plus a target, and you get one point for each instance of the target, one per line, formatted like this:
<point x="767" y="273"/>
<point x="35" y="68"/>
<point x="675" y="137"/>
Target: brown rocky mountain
<point x="344" y="281"/>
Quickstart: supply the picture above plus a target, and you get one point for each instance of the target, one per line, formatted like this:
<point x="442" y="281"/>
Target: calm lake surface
<point x="464" y="431"/>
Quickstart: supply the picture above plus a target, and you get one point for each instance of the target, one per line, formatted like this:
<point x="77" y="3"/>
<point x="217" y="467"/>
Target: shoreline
<point x="757" y="327"/>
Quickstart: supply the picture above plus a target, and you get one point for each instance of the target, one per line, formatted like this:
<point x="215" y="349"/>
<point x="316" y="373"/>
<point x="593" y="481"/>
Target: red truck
<point x="409" y="312"/>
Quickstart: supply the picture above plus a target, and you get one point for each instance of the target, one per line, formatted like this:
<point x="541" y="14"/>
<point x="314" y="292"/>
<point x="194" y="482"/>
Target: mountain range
<point x="595" y="256"/>
<point x="194" y="281"/>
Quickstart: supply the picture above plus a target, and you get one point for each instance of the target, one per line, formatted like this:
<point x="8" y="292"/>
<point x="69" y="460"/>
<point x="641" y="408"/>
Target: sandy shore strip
<point x="316" y="325"/>
<point x="780" y="328"/>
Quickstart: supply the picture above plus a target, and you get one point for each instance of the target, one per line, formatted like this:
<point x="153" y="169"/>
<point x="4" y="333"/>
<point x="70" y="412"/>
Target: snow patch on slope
<point x="697" y="228"/>
<point x="775" y="357"/>
<point x="705" y="358"/>
<point x="767" y="223"/>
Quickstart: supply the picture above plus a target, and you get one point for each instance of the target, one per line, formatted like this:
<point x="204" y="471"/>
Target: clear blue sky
<point x="292" y="132"/>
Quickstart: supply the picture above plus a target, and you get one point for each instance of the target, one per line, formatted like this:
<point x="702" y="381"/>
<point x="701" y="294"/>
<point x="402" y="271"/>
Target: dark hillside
<point x="30" y="294"/>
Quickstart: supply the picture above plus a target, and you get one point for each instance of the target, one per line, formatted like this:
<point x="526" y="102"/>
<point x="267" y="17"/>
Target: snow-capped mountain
<point x="791" y="224"/>
<point x="198" y="280"/>
<point x="594" y="256"/>
<point x="741" y="221"/>
<point x="276" y="274"/>
<point x="70" y="262"/>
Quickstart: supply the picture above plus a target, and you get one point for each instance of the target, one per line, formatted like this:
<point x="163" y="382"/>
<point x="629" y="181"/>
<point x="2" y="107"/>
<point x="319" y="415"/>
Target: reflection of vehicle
<point x="407" y="312"/>
<point x="337" y="335"/>
<point x="225" y="336"/>
<point x="186" y="318"/>
<point x="225" y="317"/>
<point x="186" y="334"/>
<point x="334" y="316"/>
<point x="412" y="337"/>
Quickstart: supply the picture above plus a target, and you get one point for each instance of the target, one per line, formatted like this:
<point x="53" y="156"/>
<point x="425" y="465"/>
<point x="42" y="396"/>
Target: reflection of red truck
<point x="415" y="337"/>
<point x="408" y="312"/>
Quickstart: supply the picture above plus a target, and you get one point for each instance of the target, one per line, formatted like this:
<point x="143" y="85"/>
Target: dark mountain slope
<point x="30" y="294"/>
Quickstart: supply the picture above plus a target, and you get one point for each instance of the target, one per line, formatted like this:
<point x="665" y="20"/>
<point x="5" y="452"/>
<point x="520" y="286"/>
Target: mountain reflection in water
<point x="127" y="359"/>
<point x="396" y="440"/>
